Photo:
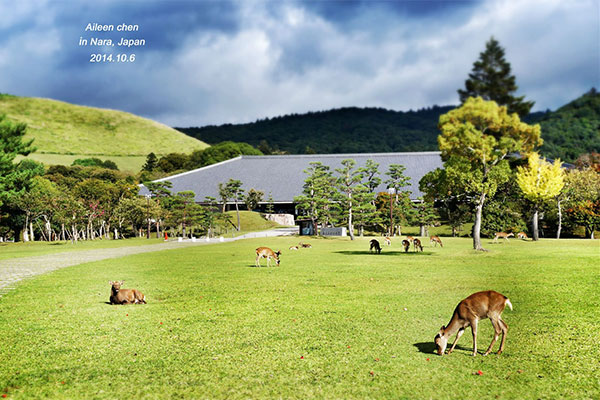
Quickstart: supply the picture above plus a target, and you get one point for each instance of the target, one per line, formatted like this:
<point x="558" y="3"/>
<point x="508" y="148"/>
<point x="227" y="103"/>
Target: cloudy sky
<point x="214" y="62"/>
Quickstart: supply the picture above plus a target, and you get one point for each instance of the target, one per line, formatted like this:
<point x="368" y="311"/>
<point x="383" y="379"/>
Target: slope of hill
<point x="64" y="132"/>
<point x="572" y="130"/>
<point x="344" y="130"/>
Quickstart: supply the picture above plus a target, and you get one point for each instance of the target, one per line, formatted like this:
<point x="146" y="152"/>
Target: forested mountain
<point x="344" y="130"/>
<point x="572" y="130"/>
<point x="568" y="132"/>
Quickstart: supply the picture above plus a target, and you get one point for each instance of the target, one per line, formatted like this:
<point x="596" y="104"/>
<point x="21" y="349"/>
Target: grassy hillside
<point x="63" y="129"/>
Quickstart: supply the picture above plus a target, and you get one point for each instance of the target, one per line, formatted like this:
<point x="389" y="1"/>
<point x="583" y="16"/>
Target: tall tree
<point x="12" y="180"/>
<point x="540" y="181"/>
<point x="253" y="197"/>
<point x="151" y="163"/>
<point x="582" y="198"/>
<point x="347" y="182"/>
<point x="483" y="134"/>
<point x="317" y="194"/>
<point x="491" y="79"/>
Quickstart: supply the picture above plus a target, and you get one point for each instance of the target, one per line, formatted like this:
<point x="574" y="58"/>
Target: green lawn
<point x="30" y="249"/>
<point x="331" y="322"/>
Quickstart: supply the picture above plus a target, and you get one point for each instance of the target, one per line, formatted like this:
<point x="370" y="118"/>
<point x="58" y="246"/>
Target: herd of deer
<point x="468" y="312"/>
<point x="505" y="236"/>
<point x="416" y="242"/>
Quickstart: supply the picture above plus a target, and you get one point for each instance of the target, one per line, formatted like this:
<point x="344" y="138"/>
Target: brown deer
<point x="304" y="245"/>
<point x="387" y="241"/>
<point x="125" y="296"/>
<point x="417" y="245"/>
<point x="522" y="235"/>
<point x="265" y="252"/>
<point x="410" y="238"/>
<point x="502" y="235"/>
<point x="435" y="240"/>
<point x="406" y="245"/>
<point x="375" y="246"/>
<point x="468" y="312"/>
<point x="293" y="247"/>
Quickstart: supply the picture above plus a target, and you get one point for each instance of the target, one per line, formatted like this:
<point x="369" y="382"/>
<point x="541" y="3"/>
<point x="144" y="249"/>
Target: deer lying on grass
<point x="406" y="245"/>
<point x="417" y="245"/>
<point x="522" y="235"/>
<point x="502" y="235"/>
<point x="304" y="245"/>
<point x="375" y="246"/>
<point x="125" y="296"/>
<point x="387" y="241"/>
<point x="293" y="247"/>
<point x="265" y="252"/>
<point x="435" y="240"/>
<point x="468" y="312"/>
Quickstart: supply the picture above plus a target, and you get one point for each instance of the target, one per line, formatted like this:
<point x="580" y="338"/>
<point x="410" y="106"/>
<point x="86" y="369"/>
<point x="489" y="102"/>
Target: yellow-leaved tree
<point x="540" y="181"/>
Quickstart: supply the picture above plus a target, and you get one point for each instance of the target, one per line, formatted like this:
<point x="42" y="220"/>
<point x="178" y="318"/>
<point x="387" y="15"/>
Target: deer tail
<point x="508" y="303"/>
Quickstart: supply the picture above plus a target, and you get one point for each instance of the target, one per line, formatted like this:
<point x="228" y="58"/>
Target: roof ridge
<point x="339" y="155"/>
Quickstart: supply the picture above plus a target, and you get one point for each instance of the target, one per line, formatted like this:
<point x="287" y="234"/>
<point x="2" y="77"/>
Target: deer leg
<point x="474" y="330"/>
<point x="458" y="335"/>
<point x="504" y="328"/>
<point x="497" y="331"/>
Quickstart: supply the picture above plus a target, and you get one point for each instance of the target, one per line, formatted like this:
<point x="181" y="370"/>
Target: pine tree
<point x="151" y="163"/>
<point x="491" y="79"/>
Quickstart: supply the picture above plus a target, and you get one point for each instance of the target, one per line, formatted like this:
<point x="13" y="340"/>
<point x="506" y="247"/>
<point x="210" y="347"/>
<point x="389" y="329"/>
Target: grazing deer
<point x="125" y="296"/>
<point x="502" y="235"/>
<point x="417" y="244"/>
<point x="435" y="240"/>
<point x="522" y="235"/>
<point x="468" y="312"/>
<point x="304" y="245"/>
<point x="406" y="245"/>
<point x="375" y="245"/>
<point x="293" y="247"/>
<point x="387" y="241"/>
<point x="268" y="254"/>
<point x="410" y="238"/>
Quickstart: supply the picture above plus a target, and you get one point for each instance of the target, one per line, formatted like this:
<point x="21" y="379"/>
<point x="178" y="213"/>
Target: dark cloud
<point x="232" y="61"/>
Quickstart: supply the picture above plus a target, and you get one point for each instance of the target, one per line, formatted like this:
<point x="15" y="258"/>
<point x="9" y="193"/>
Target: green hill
<point x="573" y="129"/>
<point x="568" y="132"/>
<point x="344" y="130"/>
<point x="64" y="132"/>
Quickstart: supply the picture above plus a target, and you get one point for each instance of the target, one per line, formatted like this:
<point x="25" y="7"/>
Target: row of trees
<point x="349" y="198"/>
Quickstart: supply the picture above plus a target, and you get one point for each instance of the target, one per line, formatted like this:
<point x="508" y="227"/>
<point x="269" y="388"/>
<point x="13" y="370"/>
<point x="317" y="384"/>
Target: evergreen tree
<point x="347" y="183"/>
<point x="151" y="163"/>
<point x="491" y="79"/>
<point x="317" y="194"/>
<point x="270" y="209"/>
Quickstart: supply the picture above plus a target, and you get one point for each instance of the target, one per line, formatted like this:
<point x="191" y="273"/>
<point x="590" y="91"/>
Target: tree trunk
<point x="25" y="233"/>
<point x="158" y="228"/>
<point x="536" y="233"/>
<point x="422" y="231"/>
<point x="237" y="211"/>
<point x="477" y="224"/>
<point x="453" y="231"/>
<point x="350" y="226"/>
<point x="31" y="235"/>
<point x="559" y="219"/>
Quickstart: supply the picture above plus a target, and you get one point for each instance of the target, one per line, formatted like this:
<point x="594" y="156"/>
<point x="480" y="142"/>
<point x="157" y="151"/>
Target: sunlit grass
<point x="333" y="321"/>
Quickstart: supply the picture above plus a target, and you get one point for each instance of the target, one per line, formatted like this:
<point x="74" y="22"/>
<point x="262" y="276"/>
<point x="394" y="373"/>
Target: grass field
<point x="331" y="322"/>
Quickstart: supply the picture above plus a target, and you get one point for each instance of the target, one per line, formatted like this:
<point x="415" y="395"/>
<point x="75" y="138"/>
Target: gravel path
<point x="16" y="269"/>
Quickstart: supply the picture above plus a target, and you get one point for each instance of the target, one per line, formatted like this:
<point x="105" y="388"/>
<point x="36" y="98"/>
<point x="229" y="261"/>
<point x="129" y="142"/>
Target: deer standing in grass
<point x="503" y="235"/>
<point x="417" y="245"/>
<point x="468" y="312"/>
<point x="406" y="245"/>
<point x="435" y="240"/>
<point x="265" y="252"/>
<point x="125" y="296"/>
<point x="522" y="235"/>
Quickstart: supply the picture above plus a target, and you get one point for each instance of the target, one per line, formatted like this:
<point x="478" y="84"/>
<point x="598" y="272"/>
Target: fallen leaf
<point x="372" y="373"/>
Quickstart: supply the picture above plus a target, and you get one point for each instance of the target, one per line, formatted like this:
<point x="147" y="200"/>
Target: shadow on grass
<point x="426" y="347"/>
<point x="58" y="243"/>
<point x="384" y="253"/>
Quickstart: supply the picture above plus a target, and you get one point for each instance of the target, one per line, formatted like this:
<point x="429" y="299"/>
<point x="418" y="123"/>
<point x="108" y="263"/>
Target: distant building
<point x="283" y="176"/>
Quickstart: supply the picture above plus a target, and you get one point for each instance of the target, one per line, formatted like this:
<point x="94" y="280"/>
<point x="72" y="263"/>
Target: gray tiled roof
<point x="283" y="175"/>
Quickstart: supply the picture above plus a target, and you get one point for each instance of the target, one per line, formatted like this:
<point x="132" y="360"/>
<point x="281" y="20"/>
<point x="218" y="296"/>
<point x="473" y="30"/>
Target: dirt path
<point x="16" y="269"/>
